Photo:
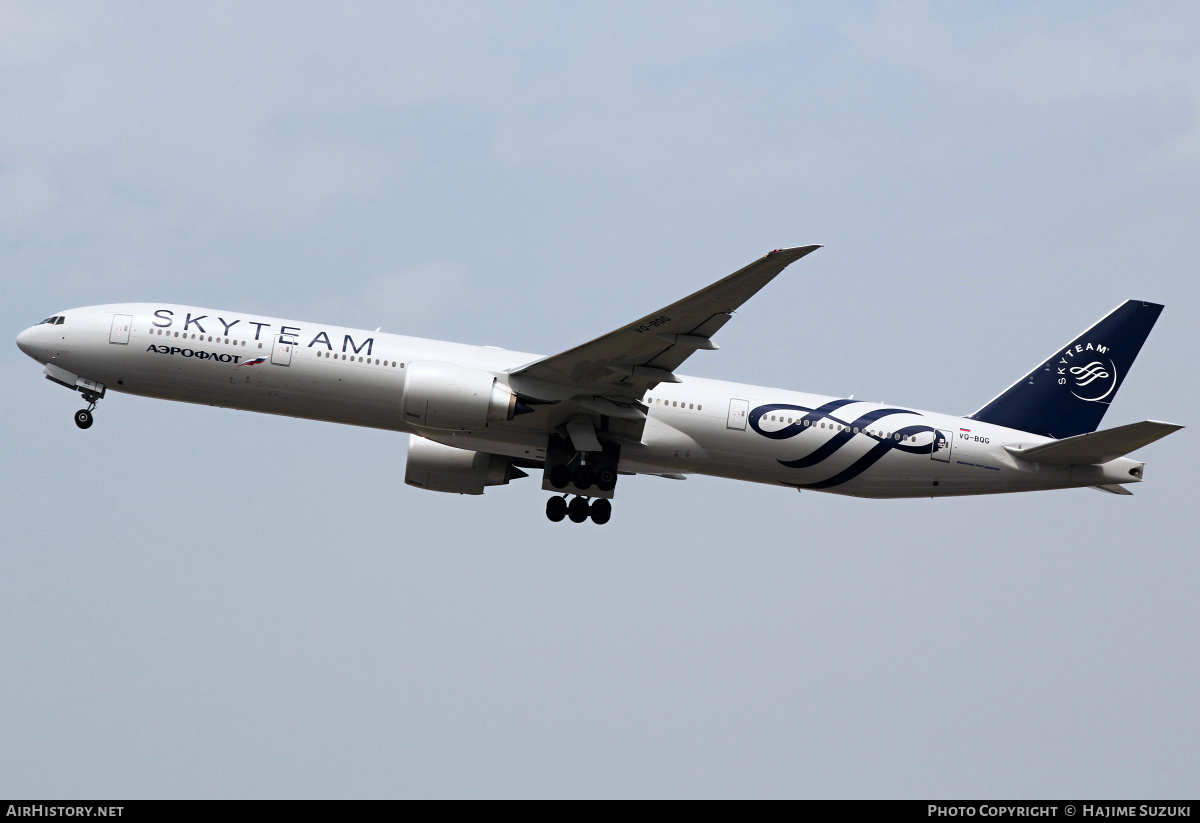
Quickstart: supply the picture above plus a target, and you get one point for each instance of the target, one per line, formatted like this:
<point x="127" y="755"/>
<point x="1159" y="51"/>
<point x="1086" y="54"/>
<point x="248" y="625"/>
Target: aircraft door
<point x="281" y="353"/>
<point x="737" y="414"/>
<point x="943" y="444"/>
<point x="119" y="333"/>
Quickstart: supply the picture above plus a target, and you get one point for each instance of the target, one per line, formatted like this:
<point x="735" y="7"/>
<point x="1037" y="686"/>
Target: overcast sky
<point x="203" y="602"/>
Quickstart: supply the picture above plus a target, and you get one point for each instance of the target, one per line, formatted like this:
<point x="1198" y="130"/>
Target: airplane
<point x="483" y="416"/>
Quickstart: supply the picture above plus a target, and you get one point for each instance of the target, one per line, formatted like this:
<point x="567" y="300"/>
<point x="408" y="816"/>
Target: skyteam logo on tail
<point x="1094" y="378"/>
<point x="1086" y="374"/>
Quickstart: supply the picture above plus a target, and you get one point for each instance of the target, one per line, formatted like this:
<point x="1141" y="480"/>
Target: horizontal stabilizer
<point x="1096" y="447"/>
<point x="1113" y="488"/>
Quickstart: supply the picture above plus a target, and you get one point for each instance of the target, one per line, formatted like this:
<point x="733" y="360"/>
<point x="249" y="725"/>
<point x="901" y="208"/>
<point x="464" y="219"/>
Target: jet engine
<point x="441" y="468"/>
<point x="455" y="398"/>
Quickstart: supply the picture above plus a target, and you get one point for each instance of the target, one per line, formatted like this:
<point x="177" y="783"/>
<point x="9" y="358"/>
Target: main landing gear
<point x="83" y="417"/>
<point x="579" y="509"/>
<point x="590" y="476"/>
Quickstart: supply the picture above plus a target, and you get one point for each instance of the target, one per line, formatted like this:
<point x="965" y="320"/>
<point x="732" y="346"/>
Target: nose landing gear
<point x="83" y="417"/>
<point x="578" y="510"/>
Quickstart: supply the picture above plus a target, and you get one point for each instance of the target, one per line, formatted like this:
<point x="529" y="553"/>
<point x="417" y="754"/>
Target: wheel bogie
<point x="579" y="509"/>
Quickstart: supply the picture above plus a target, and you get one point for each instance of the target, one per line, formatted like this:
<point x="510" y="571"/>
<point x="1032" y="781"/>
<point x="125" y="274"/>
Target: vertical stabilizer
<point x="1069" y="393"/>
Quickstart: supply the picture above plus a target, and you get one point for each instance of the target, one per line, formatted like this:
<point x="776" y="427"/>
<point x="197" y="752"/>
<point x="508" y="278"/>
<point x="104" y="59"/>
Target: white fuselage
<point x="696" y="426"/>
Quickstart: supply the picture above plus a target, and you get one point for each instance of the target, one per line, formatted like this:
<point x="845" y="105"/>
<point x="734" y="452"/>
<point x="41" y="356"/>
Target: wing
<point x="623" y="364"/>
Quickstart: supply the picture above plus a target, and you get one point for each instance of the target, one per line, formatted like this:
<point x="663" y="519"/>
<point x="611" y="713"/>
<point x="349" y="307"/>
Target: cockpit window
<point x="56" y="320"/>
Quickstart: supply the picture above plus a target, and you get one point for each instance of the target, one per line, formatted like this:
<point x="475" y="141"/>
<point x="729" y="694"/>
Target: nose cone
<point x="25" y="341"/>
<point x="39" y="342"/>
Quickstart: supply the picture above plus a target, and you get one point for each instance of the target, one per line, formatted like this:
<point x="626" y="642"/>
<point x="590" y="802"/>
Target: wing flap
<point x="1096" y="447"/>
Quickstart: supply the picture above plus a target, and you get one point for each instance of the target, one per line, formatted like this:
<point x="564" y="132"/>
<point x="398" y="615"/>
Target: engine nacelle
<point x="441" y="468"/>
<point x="454" y="398"/>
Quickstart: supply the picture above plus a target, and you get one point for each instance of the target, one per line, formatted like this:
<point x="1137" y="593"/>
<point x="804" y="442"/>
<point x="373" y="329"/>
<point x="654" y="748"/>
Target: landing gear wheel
<point x="560" y="477"/>
<point x="582" y="476"/>
<point x="83" y="419"/>
<point x="606" y="479"/>
<point x="556" y="509"/>
<point x="577" y="510"/>
<point x="601" y="511"/>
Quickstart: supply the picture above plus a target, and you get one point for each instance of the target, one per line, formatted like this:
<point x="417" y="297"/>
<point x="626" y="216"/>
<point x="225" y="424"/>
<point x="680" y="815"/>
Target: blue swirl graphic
<point x="834" y="444"/>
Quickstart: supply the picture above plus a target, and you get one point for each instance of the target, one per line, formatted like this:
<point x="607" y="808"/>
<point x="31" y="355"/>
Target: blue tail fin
<point x="1069" y="393"/>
